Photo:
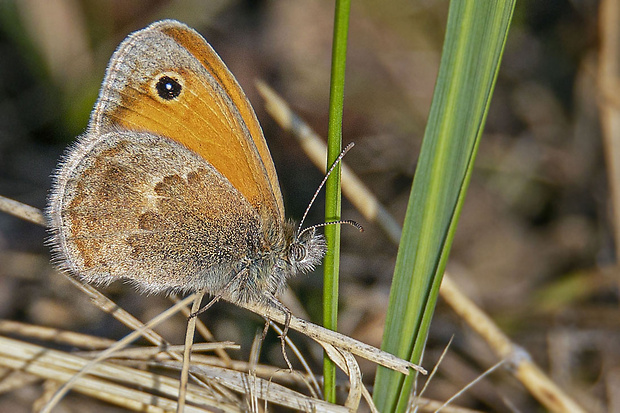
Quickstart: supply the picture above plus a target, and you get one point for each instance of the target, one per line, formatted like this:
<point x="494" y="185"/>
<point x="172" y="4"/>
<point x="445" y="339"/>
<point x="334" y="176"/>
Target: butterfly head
<point x="306" y="251"/>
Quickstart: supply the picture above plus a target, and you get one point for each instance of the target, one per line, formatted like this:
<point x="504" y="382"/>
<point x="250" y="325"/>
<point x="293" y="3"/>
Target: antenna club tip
<point x="353" y="224"/>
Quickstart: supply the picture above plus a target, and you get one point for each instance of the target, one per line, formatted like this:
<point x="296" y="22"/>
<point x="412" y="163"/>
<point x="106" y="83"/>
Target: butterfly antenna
<point x="338" y="159"/>
<point x="324" y="224"/>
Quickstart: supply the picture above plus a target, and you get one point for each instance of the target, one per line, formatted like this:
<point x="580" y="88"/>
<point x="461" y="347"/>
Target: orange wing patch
<point x="212" y="117"/>
<point x="202" y="51"/>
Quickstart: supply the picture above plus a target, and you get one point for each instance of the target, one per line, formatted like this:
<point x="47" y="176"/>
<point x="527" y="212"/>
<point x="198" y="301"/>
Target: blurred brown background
<point x="534" y="246"/>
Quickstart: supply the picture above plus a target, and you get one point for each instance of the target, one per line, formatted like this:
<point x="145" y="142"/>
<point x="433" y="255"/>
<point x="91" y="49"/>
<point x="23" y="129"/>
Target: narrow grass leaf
<point x="475" y="37"/>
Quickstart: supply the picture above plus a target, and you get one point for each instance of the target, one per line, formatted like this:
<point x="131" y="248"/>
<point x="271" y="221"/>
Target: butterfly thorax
<point x="281" y="255"/>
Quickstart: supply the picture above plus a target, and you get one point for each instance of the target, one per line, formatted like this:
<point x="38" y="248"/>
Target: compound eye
<point x="298" y="252"/>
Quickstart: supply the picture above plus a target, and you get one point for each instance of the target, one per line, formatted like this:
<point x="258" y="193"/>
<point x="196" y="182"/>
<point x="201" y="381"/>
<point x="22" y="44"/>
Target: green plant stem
<point x="332" y="187"/>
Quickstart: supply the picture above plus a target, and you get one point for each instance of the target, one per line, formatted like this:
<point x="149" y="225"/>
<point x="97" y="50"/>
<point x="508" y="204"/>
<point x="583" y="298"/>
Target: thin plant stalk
<point x="332" y="187"/>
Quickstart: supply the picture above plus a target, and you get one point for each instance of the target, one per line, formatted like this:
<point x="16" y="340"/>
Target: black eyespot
<point x="168" y="88"/>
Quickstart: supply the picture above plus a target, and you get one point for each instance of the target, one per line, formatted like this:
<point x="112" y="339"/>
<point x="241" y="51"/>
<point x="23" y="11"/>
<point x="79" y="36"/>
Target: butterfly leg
<point x="265" y="329"/>
<point x="287" y="322"/>
<point x="206" y="306"/>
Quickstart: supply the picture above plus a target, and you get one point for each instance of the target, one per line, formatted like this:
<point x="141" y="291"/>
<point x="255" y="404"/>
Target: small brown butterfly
<point x="172" y="186"/>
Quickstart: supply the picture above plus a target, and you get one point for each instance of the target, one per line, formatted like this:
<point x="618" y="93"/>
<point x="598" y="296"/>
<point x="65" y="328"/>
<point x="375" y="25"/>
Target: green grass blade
<point x="474" y="43"/>
<point x="332" y="187"/>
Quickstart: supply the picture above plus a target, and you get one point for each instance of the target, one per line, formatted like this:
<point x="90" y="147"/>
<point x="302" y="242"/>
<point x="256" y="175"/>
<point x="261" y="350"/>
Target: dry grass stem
<point x="187" y="352"/>
<point x="346" y="362"/>
<point x="342" y="342"/>
<point x="128" y="339"/>
<point x="23" y="211"/>
<point x="54" y="335"/>
<point x="101" y="382"/>
<point x="63" y="367"/>
<point x="149" y="353"/>
<point x="413" y="399"/>
<point x="266" y="371"/>
<point x="265" y="390"/>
